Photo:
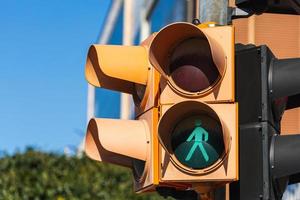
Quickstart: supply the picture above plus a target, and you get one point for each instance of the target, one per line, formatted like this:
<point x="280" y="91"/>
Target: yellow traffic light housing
<point x="198" y="127"/>
<point x="182" y="81"/>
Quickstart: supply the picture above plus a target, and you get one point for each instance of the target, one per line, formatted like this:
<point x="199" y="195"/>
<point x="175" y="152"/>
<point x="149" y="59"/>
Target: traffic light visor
<point x="117" y="67"/>
<point x="117" y="141"/>
<point x="190" y="60"/>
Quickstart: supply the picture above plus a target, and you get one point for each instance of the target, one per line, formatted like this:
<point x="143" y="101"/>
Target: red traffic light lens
<point x="192" y="67"/>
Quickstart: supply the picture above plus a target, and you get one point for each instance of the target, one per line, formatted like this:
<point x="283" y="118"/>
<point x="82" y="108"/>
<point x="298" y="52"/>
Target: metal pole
<point x="213" y="11"/>
<point x="126" y="100"/>
<point x="192" y="11"/>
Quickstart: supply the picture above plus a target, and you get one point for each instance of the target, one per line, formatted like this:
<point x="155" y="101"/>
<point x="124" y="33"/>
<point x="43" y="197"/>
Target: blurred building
<point x="129" y="22"/>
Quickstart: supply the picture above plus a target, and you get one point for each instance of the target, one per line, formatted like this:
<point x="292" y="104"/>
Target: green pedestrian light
<point x="196" y="139"/>
<point x="197" y="133"/>
<point x="198" y="145"/>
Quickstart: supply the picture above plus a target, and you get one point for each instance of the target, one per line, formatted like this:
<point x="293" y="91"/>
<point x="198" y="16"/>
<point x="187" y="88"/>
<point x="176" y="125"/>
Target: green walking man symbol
<point x="198" y="135"/>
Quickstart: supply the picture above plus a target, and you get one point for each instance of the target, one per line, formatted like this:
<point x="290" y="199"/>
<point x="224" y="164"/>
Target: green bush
<point x="35" y="175"/>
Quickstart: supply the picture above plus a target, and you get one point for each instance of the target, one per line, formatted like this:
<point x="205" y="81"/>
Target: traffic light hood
<point x="117" y="67"/>
<point x="117" y="141"/>
<point x="284" y="77"/>
<point x="184" y="50"/>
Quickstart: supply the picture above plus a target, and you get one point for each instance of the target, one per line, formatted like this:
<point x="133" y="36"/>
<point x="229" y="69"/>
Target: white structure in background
<point x="104" y="37"/>
<point x="128" y="29"/>
<point x="293" y="193"/>
<point x="131" y="22"/>
<point x="133" y="19"/>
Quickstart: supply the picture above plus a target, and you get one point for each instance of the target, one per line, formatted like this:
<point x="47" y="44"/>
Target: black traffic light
<point x="269" y="6"/>
<point x="267" y="160"/>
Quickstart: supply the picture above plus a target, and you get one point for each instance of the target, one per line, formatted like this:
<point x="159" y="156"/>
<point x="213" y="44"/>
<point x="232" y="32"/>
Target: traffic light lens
<point x="190" y="78"/>
<point x="192" y="67"/>
<point x="197" y="141"/>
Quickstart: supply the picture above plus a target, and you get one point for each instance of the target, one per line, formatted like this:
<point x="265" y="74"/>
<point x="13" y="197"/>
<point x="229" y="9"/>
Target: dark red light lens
<point x="192" y="67"/>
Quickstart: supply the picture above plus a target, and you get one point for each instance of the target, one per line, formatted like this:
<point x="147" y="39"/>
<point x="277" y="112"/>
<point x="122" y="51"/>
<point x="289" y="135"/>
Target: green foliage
<point x="35" y="175"/>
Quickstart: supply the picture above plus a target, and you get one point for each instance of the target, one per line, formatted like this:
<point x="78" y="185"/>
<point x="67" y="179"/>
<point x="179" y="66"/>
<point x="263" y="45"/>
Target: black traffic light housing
<point x="267" y="159"/>
<point x="269" y="6"/>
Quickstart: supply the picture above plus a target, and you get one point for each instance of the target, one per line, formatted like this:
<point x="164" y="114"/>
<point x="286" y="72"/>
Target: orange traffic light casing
<point x="185" y="131"/>
<point x="129" y="143"/>
<point x="198" y="112"/>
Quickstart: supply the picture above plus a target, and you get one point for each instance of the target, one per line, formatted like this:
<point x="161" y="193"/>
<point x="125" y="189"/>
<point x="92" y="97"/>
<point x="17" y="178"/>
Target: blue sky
<point x="43" y="46"/>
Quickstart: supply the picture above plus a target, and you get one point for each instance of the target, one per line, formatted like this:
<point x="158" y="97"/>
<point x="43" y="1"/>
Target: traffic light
<point x="268" y="160"/>
<point x="198" y="113"/>
<point x="269" y="6"/>
<point x="185" y="132"/>
<point x="129" y="143"/>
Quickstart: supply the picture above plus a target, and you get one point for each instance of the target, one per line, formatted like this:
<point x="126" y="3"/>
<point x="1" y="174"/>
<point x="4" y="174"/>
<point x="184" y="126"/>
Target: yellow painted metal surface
<point x="155" y="148"/>
<point x="126" y="69"/>
<point x="117" y="67"/>
<point x="237" y="140"/>
<point x="207" y="24"/>
<point x="121" y="137"/>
